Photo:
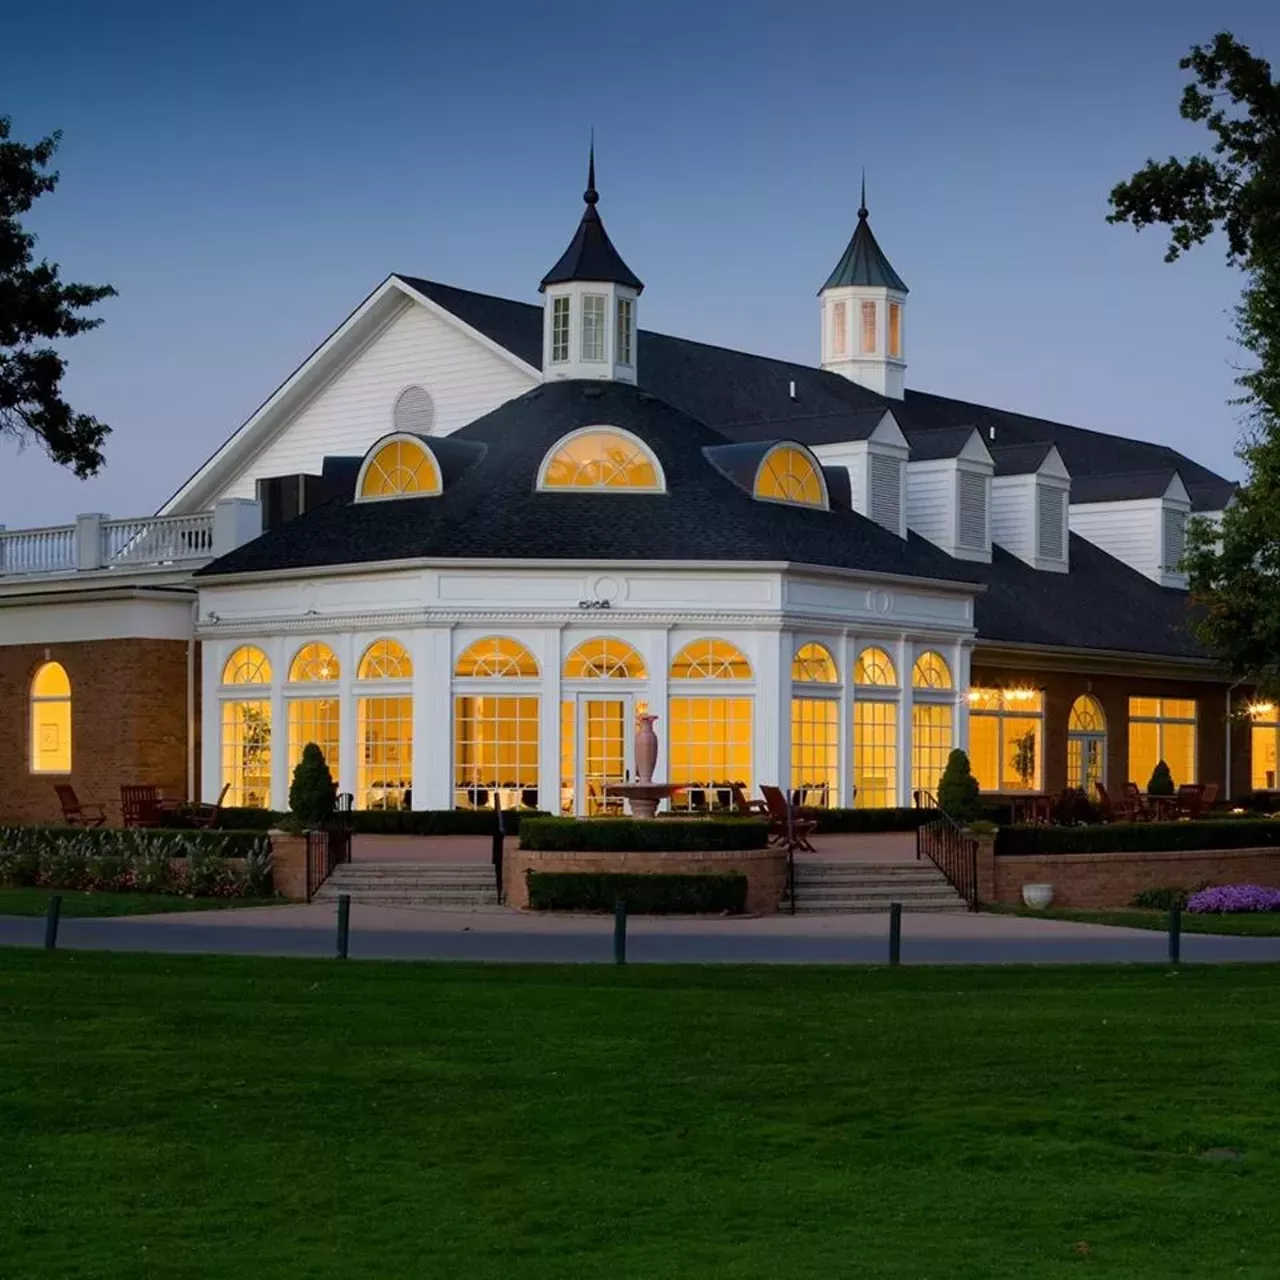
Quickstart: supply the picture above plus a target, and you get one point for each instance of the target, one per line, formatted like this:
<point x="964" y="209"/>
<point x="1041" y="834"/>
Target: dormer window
<point x="840" y="329"/>
<point x="895" y="331"/>
<point x="868" y="328"/>
<point x="559" y="330"/>
<point x="593" y="310"/>
<point x="624" y="339"/>
<point x="401" y="467"/>
<point x="601" y="458"/>
<point x="788" y="474"/>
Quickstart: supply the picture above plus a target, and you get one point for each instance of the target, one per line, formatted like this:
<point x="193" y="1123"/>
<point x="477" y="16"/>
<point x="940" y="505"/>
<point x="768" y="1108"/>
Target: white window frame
<point x="595" y="313"/>
<point x="560" y="311"/>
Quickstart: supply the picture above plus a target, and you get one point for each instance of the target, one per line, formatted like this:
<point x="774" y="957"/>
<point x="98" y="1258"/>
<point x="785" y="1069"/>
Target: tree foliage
<point x="313" y="792"/>
<point x="37" y="309"/>
<point x="958" y="794"/>
<point x="1235" y="190"/>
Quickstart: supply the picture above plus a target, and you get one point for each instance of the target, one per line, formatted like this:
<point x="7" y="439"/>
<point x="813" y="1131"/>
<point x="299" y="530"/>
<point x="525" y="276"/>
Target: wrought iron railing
<point x="949" y="847"/>
<point x="328" y="846"/>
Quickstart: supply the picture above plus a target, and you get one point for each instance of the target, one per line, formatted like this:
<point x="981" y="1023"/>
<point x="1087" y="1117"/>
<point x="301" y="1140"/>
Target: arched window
<point x="710" y="660"/>
<point x="313" y="662"/>
<point x="874" y="666"/>
<point x="604" y="658"/>
<point x="51" y="719"/>
<point x="247" y="665"/>
<point x="401" y="467"/>
<point x="496" y="656"/>
<point x="788" y="474"/>
<point x="386" y="660"/>
<point x="931" y="672"/>
<point x="1086" y="744"/>
<point x="601" y="458"/>
<point x="813" y="664"/>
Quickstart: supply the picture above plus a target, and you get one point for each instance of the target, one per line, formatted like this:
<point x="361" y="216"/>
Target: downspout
<point x="1226" y="773"/>
<point x="191" y="704"/>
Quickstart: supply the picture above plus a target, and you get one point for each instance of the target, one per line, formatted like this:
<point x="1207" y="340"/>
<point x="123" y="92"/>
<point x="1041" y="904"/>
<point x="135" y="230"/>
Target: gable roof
<point x="1127" y="487"/>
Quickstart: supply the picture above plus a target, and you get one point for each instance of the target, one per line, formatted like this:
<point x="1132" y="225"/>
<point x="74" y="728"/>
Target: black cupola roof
<point x="591" y="255"/>
<point x="863" y="261"/>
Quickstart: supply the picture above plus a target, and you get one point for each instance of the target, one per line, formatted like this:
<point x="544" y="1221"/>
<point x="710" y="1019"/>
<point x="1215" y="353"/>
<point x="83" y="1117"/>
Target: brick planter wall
<point x="1112" y="879"/>
<point x="765" y="869"/>
<point x="289" y="865"/>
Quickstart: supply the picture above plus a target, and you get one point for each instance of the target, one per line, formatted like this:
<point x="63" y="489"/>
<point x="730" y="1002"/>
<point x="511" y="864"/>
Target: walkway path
<point x="501" y="935"/>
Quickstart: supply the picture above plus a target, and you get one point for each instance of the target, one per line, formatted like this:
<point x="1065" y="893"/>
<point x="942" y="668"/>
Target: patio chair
<point x="140" y="805"/>
<point x="1105" y="802"/>
<point x="787" y="828"/>
<point x="1208" y="797"/>
<point x="744" y="805"/>
<point x="1190" y="800"/>
<point x="1136" y="803"/>
<point x="206" y="815"/>
<point x="75" y="814"/>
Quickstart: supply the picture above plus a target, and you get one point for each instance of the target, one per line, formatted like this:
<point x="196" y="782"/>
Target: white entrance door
<point x="1086" y="761"/>
<point x="604" y="739"/>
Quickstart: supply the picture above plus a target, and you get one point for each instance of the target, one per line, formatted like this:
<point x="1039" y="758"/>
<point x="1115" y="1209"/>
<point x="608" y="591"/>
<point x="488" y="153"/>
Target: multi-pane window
<point x="246" y="753"/>
<point x="624" y="338"/>
<point x="710" y="747"/>
<point x="710" y="660"/>
<point x="384" y="731"/>
<point x="930" y="744"/>
<point x="813" y="664"/>
<point x="868" y="328"/>
<point x="600" y="459"/>
<point x="496" y="656"/>
<point x="398" y="468"/>
<point x="875" y="754"/>
<point x="931" y="671"/>
<point x="1264" y="739"/>
<point x="1006" y="733"/>
<point x="895" y="331"/>
<point x="874" y="666"/>
<point x="51" y="720"/>
<point x="840" y="329"/>
<point x="495" y="751"/>
<point x="593" y="307"/>
<point x="314" y="719"/>
<point x="604" y="658"/>
<point x="787" y="474"/>
<point x="247" y="665"/>
<point x="559" y="330"/>
<point x="1086" y="744"/>
<point x="815" y="751"/>
<point x="1162" y="729"/>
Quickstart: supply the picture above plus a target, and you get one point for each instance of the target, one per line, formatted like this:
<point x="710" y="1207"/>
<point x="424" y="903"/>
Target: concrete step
<point x="408" y="884"/>
<point x="860" y="906"/>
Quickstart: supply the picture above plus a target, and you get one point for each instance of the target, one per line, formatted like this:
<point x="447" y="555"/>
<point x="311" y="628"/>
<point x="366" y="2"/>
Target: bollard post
<point x="344" y="924"/>
<point x="895" y="933"/>
<point x="499" y="832"/>
<point x="1175" y="933"/>
<point x="620" y="931"/>
<point x="52" y="916"/>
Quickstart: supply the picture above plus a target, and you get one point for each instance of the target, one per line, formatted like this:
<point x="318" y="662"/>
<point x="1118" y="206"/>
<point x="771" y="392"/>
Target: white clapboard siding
<point x="929" y="500"/>
<point x="463" y="378"/>
<point x="1130" y="531"/>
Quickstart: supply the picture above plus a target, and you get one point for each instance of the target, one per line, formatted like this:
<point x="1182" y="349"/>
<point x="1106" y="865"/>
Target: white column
<point x="772" y="756"/>
<point x="212" y="656"/>
<point x="658" y="657"/>
<point x="277" y="650"/>
<point x="844" y="655"/>
<point x="549" y="660"/>
<point x="347" y="745"/>
<point x="89" y="540"/>
<point x="903" y="655"/>
<point x="961" y="664"/>
<point x="432" y="718"/>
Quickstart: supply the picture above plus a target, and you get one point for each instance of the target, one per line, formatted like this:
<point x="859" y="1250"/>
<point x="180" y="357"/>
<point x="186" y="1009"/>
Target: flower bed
<point x="1231" y="898"/>
<point x="629" y="835"/>
<point x="212" y="864"/>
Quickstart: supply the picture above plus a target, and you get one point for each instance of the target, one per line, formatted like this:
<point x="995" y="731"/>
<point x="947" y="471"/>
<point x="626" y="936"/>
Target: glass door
<point x="605" y="742"/>
<point x="1086" y="761"/>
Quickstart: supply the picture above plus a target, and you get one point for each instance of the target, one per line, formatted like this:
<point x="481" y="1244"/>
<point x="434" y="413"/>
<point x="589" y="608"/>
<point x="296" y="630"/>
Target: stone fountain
<point x="644" y="794"/>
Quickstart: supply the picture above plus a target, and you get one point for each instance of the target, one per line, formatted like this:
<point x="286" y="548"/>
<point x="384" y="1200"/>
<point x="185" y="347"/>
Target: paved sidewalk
<point x="497" y="934"/>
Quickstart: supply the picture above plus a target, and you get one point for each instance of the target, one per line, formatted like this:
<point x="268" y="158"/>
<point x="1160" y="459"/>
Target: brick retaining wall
<point x="765" y="869"/>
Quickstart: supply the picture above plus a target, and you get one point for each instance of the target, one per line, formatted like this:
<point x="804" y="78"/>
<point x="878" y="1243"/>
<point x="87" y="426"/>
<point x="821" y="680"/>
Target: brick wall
<point x="1112" y="879"/>
<point x="765" y="869"/>
<point x="128" y="723"/>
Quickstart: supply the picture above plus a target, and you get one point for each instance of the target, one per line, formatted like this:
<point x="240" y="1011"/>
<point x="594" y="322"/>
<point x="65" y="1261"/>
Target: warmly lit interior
<point x="787" y="474"/>
<point x="495" y="751"/>
<point x="710" y="660"/>
<point x="247" y="665"/>
<point x="384" y="731"/>
<point x="1086" y="745"/>
<point x="875" y="733"/>
<point x="246" y="753"/>
<point x="51" y="720"/>
<point x="1264" y="736"/>
<point x="709" y="736"/>
<point x="813" y="664"/>
<point x="1006" y="735"/>
<point x="601" y="459"/>
<point x="1162" y="729"/>
<point x="400" y="467"/>
<point x="815" y="751"/>
<point x="496" y="656"/>
<point x="604" y="658"/>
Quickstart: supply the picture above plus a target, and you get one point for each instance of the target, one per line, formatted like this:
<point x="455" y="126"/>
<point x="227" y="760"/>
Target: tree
<point x="958" y="795"/>
<point x="1234" y="570"/>
<point x="36" y="309"/>
<point x="313" y="792"/>
<point x="1161" y="783"/>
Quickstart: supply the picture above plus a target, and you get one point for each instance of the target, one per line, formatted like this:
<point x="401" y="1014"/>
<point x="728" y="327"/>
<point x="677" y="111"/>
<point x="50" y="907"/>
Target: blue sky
<point x="245" y="173"/>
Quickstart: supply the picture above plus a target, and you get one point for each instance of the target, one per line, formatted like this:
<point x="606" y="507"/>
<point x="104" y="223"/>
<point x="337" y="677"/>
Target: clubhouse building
<point x="469" y="540"/>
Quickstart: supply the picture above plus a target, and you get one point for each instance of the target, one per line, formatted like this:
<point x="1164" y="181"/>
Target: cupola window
<point x="625" y="341"/>
<point x="593" y="326"/>
<point x="868" y="328"/>
<point x="559" y="330"/>
<point x="840" y="329"/>
<point x="402" y="467"/>
<point x="601" y="458"/>
<point x="895" y="331"/>
<point x="788" y="474"/>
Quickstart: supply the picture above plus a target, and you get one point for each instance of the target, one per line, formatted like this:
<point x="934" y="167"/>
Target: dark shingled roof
<point x="928" y="446"/>
<point x="1125" y="487"/>
<point x="863" y="261"/>
<point x="1019" y="459"/>
<point x="591" y="255"/>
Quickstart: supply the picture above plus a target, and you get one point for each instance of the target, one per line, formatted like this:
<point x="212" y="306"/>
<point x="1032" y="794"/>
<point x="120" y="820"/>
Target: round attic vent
<point x="414" y="411"/>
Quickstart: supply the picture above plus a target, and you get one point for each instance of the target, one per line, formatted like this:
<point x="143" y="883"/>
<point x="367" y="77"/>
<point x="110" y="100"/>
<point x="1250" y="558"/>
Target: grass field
<point x="35" y="902"/>
<point x="227" y="1117"/>
<point x="1241" y="924"/>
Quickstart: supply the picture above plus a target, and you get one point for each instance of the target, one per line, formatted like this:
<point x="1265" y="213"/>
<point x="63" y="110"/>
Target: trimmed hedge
<point x="232" y="819"/>
<point x="846" y="821"/>
<point x="629" y="835"/>
<point x="645" y="894"/>
<point x="436" y="822"/>
<point x="1136" y="837"/>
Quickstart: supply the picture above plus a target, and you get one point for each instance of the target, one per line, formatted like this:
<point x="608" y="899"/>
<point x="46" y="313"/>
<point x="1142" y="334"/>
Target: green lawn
<point x="35" y="902"/>
<point x="229" y="1117"/>
<point x="1250" y="924"/>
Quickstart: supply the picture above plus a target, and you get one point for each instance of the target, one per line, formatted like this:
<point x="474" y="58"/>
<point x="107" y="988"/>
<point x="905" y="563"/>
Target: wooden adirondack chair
<point x="140" y="805"/>
<point x="75" y="814"/>
<point x="789" y="830"/>
<point x="206" y="815"/>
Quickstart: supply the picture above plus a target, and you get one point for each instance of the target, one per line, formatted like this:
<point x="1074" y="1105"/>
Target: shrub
<point x="237" y="819"/>
<point x="313" y="792"/>
<point x="1137" y="837"/>
<point x="856" y="820"/>
<point x="1161" y="897"/>
<point x="958" y="794"/>
<point x="630" y="835"/>
<point x="1161" y="783"/>
<point x="1074" y="808"/>
<point x="1234" y="898"/>
<point x="437" y="822"/>
<point x="653" y="894"/>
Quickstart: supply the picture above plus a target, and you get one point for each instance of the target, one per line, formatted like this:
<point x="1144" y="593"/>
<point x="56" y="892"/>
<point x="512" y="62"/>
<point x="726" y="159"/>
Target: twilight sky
<point x="245" y="173"/>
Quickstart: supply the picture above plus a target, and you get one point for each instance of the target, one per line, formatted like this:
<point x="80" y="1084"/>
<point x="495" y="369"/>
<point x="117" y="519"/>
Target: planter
<point x="1037" y="896"/>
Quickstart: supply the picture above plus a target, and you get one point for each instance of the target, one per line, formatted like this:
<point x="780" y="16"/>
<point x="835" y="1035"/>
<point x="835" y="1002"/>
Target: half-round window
<point x="313" y="662"/>
<point x="874" y="666"/>
<point x="813" y="664"/>
<point x="1087" y="715"/>
<point x="414" y="413"/>
<point x="496" y="656"/>
<point x="604" y="659"/>
<point x="788" y="474"/>
<point x="710" y="660"/>
<point x="247" y="665"/>
<point x="601" y="458"/>
<point x="931" y="672"/>
<point x="398" y="468"/>
<point x="385" y="660"/>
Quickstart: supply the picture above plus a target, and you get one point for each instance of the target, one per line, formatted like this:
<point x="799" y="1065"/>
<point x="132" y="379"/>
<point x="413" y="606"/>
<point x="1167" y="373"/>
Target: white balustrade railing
<point x="38" y="550"/>
<point x="157" y="539"/>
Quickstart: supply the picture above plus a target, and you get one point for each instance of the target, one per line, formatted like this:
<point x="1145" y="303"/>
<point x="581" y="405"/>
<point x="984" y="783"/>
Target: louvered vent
<point x="1049" y="504"/>
<point x="1175" y="538"/>
<point x="414" y="411"/>
<point x="886" y="491"/>
<point x="973" y="511"/>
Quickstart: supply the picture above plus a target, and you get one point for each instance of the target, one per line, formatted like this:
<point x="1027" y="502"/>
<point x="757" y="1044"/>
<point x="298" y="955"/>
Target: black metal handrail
<point x="328" y="847"/>
<point x="499" y="840"/>
<point x="949" y="847"/>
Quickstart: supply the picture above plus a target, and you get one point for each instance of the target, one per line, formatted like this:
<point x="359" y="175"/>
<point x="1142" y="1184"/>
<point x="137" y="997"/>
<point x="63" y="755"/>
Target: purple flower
<point x="1234" y="897"/>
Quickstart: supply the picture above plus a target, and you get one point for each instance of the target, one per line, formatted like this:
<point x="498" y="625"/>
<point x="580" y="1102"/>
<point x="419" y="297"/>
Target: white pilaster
<point x="844" y="655"/>
<point x="432" y="718"/>
<point x="548" y="651"/>
<point x="278" y="653"/>
<point x="345" y="649"/>
<point x="211" y="660"/>
<point x="903" y="656"/>
<point x="659" y="662"/>
<point x="772" y="754"/>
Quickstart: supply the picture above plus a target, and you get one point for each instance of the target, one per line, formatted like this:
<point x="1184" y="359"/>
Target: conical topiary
<point x="1161" y="783"/>
<point x="958" y="794"/>
<point x="313" y="791"/>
